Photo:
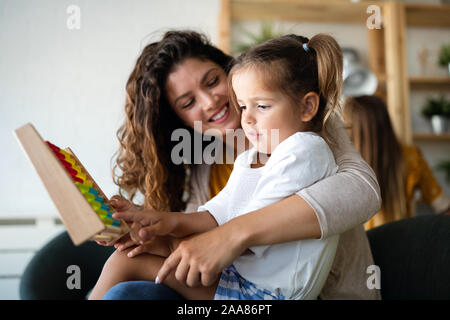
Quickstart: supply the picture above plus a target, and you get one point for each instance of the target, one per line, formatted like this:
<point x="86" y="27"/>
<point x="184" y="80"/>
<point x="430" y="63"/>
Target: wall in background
<point x="70" y="83"/>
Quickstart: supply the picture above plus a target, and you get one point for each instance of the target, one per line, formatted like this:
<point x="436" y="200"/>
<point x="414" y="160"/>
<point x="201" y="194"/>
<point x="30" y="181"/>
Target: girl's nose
<point x="247" y="117"/>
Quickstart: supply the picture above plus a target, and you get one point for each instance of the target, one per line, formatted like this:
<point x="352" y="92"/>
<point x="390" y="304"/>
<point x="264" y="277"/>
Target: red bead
<point x="52" y="146"/>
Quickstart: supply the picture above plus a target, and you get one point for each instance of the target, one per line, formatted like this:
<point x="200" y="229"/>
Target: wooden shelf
<point x="428" y="15"/>
<point x="305" y="11"/>
<point x="431" y="137"/>
<point x="437" y="83"/>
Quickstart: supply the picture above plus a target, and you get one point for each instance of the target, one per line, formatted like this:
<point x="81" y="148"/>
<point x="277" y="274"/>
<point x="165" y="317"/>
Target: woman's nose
<point x="208" y="100"/>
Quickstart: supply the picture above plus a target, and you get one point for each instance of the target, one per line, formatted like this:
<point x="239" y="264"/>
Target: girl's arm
<point x="176" y="224"/>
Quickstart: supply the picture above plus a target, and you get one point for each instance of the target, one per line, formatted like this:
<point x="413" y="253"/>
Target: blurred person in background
<point x="400" y="169"/>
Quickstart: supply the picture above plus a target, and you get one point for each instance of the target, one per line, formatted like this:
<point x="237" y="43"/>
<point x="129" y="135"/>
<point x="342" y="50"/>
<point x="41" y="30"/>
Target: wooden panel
<point x="432" y="137"/>
<point x="76" y="213"/>
<point x="430" y="83"/>
<point x="397" y="84"/>
<point x="426" y="15"/>
<point x="224" y="26"/>
<point x="377" y="61"/>
<point x="376" y="50"/>
<point x="298" y="10"/>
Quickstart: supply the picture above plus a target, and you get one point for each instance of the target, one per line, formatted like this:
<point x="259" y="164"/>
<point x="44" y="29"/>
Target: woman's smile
<point x="221" y="115"/>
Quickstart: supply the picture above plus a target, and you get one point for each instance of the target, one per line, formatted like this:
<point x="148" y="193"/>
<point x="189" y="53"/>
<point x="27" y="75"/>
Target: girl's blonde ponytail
<point x="329" y="71"/>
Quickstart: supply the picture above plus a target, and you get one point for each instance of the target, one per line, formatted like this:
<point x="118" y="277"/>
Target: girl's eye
<point x="188" y="104"/>
<point x="213" y="81"/>
<point x="261" y="106"/>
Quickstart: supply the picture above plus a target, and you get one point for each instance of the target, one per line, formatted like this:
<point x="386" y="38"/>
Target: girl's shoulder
<point x="302" y="142"/>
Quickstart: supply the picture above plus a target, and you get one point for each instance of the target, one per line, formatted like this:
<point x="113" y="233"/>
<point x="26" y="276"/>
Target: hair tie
<point x="305" y="47"/>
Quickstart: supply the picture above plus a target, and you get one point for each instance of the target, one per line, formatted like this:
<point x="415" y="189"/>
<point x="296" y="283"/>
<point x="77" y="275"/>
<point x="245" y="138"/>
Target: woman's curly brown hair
<point x="143" y="157"/>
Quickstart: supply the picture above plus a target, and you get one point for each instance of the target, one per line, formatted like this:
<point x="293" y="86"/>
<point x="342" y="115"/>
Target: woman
<point x="181" y="80"/>
<point x="400" y="169"/>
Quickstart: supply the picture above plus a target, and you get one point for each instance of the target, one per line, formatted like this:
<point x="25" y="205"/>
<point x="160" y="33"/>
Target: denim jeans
<point x="141" y="290"/>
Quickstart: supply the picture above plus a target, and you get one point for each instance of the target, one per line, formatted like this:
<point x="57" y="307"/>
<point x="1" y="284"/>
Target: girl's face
<point x="266" y="112"/>
<point x="197" y="90"/>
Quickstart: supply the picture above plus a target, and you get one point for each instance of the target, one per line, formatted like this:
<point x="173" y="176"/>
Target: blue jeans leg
<point x="141" y="290"/>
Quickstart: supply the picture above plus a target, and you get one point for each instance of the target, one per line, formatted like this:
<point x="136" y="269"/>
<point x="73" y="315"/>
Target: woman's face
<point x="197" y="90"/>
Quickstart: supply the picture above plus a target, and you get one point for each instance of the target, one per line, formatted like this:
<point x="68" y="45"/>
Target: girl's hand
<point x="161" y="246"/>
<point x="119" y="203"/>
<point x="150" y="223"/>
<point x="199" y="259"/>
<point x="124" y="243"/>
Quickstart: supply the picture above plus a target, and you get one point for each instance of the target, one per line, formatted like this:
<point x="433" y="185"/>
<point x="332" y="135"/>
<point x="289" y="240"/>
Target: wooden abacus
<point x="83" y="207"/>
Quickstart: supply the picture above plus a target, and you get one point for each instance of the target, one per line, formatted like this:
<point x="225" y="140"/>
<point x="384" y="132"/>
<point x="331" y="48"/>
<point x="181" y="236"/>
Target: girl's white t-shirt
<point x="297" y="269"/>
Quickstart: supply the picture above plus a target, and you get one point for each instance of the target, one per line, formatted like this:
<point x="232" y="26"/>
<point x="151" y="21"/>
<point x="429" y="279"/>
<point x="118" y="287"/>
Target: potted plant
<point x="444" y="56"/>
<point x="267" y="32"/>
<point x="438" y="111"/>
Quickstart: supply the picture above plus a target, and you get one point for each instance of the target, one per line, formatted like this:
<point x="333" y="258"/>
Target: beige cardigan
<point x="342" y="204"/>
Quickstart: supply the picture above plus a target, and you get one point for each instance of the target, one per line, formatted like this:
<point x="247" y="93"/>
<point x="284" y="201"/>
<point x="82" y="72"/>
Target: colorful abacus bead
<point x="97" y="203"/>
<point x="85" y="186"/>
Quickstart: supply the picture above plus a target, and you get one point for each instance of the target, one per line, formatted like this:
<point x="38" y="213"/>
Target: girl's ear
<point x="310" y="106"/>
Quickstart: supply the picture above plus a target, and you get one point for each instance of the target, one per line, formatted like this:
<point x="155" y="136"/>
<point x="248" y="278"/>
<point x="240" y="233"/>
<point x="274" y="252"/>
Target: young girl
<point x="280" y="115"/>
<point x="287" y="89"/>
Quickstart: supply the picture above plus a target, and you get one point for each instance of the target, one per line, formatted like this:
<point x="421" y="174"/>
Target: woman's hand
<point x="199" y="259"/>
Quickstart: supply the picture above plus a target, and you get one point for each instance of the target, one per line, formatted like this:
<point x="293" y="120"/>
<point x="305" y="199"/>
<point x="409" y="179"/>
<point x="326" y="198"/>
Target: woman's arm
<point x="331" y="206"/>
<point x="350" y="197"/>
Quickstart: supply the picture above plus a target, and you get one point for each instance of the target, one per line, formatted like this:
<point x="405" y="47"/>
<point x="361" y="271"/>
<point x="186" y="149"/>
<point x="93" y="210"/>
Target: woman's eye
<point x="213" y="81"/>
<point x="242" y="107"/>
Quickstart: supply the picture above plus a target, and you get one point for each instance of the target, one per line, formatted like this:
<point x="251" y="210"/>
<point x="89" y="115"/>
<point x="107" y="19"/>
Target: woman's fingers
<point x="206" y="255"/>
<point x="193" y="277"/>
<point x="207" y="278"/>
<point x="169" y="264"/>
<point x="182" y="271"/>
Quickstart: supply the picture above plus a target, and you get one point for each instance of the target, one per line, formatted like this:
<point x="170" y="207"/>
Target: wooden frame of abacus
<point x="79" y="217"/>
